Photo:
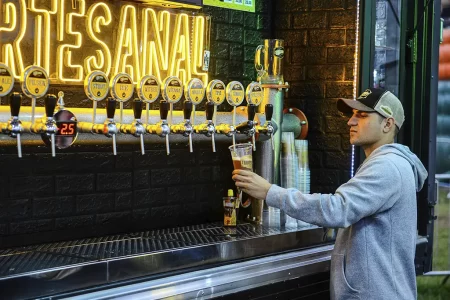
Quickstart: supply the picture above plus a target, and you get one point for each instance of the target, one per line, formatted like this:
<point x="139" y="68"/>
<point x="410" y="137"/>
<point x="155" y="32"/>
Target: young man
<point x="373" y="256"/>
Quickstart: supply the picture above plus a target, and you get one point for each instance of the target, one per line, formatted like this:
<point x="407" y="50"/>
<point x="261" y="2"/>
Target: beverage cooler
<point x="118" y="137"/>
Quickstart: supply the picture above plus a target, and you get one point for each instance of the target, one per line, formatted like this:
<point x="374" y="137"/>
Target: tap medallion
<point x="148" y="89"/>
<point x="122" y="87"/>
<point x="6" y="80"/>
<point x="35" y="82"/>
<point x="96" y="86"/>
<point x="255" y="93"/>
<point x="235" y="93"/>
<point x="195" y="91"/>
<point x="215" y="92"/>
<point x="172" y="89"/>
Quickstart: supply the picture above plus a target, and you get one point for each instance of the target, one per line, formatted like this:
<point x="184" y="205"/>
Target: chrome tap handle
<point x="210" y="106"/>
<point x="165" y="130"/>
<point x="187" y="111"/>
<point x="110" y="128"/>
<point x="137" y="110"/>
<point x="15" y="101"/>
<point x="269" y="112"/>
<point x="50" y="104"/>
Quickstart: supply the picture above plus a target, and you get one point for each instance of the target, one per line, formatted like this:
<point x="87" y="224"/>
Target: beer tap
<point x="109" y="127"/>
<point x="162" y="128"/>
<point x="248" y="127"/>
<point x="235" y="96"/>
<point x="136" y="128"/>
<point x="208" y="128"/>
<point x="185" y="128"/>
<point x="47" y="125"/>
<point x="148" y="90"/>
<point x="254" y="94"/>
<point x="268" y="128"/>
<point x="14" y="126"/>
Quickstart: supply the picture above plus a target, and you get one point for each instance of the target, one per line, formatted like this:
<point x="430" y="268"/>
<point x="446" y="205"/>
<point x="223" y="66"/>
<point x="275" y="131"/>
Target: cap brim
<point x="347" y="106"/>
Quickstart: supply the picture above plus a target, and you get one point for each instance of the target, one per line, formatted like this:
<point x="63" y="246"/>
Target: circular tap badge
<point x="235" y="93"/>
<point x="6" y="80"/>
<point x="35" y="82"/>
<point x="254" y="93"/>
<point x="96" y="86"/>
<point x="148" y="89"/>
<point x="172" y="89"/>
<point x="122" y="87"/>
<point x="215" y="92"/>
<point x="195" y="91"/>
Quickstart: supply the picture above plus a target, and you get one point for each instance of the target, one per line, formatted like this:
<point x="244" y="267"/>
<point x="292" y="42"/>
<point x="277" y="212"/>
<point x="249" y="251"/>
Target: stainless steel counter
<point x="58" y="268"/>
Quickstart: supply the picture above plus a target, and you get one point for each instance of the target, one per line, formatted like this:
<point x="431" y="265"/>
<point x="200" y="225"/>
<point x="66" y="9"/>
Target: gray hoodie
<point x="373" y="257"/>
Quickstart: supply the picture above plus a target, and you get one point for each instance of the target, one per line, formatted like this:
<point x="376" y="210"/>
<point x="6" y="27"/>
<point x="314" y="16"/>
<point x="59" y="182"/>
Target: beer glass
<point x="242" y="159"/>
<point x="269" y="61"/>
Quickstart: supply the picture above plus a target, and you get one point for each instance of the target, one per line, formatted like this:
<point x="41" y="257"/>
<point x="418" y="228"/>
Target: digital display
<point x="66" y="128"/>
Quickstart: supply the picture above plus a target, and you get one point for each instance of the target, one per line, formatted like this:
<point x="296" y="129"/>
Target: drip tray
<point x="66" y="266"/>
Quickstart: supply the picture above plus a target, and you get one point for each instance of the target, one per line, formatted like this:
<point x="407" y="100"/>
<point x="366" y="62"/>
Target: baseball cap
<point x="375" y="100"/>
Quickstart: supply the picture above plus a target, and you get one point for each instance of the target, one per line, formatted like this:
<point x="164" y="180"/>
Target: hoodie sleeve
<point x="374" y="189"/>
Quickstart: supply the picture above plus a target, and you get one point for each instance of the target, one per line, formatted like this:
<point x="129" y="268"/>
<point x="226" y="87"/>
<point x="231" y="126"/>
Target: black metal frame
<point x="419" y="58"/>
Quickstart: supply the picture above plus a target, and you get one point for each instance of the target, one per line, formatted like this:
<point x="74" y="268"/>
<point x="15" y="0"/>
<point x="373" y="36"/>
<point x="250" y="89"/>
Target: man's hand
<point x="251" y="183"/>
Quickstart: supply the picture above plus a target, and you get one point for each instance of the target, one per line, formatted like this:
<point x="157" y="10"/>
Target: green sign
<point x="245" y="5"/>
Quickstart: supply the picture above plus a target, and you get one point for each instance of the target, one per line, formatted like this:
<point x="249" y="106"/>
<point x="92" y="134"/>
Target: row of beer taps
<point x="121" y="89"/>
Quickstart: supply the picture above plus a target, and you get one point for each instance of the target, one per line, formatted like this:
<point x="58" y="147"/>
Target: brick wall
<point x="89" y="192"/>
<point x="320" y="45"/>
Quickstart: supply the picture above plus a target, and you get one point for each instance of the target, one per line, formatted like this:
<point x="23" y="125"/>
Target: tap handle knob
<point x="163" y="109"/>
<point x="251" y="112"/>
<point x="137" y="108"/>
<point x="209" y="110"/>
<point x="110" y="107"/>
<point x="269" y="112"/>
<point x="187" y="109"/>
<point x="15" y="100"/>
<point x="50" y="104"/>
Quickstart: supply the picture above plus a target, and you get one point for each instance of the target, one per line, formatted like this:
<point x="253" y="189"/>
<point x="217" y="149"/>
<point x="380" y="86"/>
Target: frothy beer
<point x="244" y="162"/>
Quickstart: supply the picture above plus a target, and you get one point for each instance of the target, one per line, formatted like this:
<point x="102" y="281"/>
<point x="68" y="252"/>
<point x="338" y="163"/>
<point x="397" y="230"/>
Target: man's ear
<point x="389" y="125"/>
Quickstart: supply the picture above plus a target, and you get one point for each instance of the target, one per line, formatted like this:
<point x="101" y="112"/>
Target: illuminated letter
<point x="64" y="52"/>
<point x="127" y="44"/>
<point x="103" y="60"/>
<point x="181" y="49"/>
<point x="155" y="53"/>
<point x="197" y="53"/>
<point x="12" y="54"/>
<point x="38" y="40"/>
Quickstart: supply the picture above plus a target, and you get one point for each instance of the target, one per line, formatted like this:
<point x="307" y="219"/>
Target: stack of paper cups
<point x="304" y="175"/>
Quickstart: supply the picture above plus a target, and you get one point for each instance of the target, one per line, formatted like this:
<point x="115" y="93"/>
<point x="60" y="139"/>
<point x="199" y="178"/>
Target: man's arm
<point x="375" y="188"/>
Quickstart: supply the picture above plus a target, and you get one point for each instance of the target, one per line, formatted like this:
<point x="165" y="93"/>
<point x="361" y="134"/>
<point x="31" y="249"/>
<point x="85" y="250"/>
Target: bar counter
<point x="162" y="257"/>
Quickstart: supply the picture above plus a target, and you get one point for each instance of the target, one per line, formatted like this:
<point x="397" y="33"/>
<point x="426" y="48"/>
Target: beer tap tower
<point x="235" y="96"/>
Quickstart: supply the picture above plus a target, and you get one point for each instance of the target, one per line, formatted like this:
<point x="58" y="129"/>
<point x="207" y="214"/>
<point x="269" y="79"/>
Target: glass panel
<point x="387" y="45"/>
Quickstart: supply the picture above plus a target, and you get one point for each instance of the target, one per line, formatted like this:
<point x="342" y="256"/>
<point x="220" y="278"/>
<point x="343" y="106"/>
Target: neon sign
<point x="70" y="39"/>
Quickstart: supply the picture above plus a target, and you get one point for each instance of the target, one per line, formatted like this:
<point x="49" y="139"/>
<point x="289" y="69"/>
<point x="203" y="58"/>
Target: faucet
<point x="136" y="128"/>
<point x="248" y="127"/>
<point x="185" y="128"/>
<point x="47" y="125"/>
<point x="109" y="127"/>
<point x="268" y="128"/>
<point x="208" y="127"/>
<point x="14" y="126"/>
<point x="161" y="128"/>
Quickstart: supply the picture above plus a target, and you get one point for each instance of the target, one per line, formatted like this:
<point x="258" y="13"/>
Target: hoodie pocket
<point x="340" y="287"/>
